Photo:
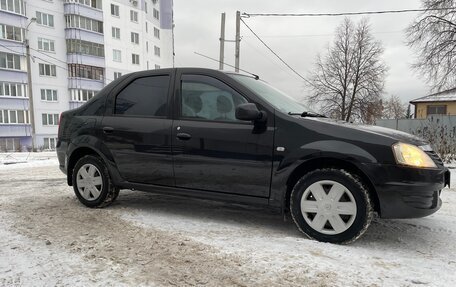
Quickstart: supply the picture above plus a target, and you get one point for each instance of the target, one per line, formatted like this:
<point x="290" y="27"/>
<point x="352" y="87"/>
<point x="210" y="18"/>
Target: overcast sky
<point x="296" y="39"/>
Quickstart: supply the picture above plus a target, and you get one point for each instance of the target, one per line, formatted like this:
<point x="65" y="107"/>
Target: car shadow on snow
<point x="382" y="233"/>
<point x="206" y="211"/>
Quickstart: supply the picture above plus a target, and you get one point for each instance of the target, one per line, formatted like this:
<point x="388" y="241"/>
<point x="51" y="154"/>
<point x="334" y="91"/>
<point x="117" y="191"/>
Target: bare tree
<point x="433" y="36"/>
<point x="349" y="79"/>
<point x="393" y="108"/>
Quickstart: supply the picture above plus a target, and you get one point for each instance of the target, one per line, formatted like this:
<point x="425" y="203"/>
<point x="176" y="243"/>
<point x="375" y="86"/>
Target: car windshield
<point x="273" y="96"/>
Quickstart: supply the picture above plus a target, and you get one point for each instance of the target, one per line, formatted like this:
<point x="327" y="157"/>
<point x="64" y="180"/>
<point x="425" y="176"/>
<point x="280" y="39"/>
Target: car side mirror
<point x="249" y="112"/>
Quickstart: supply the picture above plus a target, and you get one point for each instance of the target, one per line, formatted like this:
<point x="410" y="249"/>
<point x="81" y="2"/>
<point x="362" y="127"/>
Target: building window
<point x="157" y="51"/>
<point x="133" y="16"/>
<point x="117" y="75"/>
<point x="145" y="7"/>
<point x="147" y="46"/>
<point x="156" y="33"/>
<point x="10" y="61"/>
<point x="116" y="33"/>
<point x="116" y="55"/>
<point x="46" y="45"/>
<point x="49" y="95"/>
<point x="45" y="19"/>
<point x="49" y="143"/>
<point x="14" y="117"/>
<point x="114" y="10"/>
<point x="91" y="3"/>
<point x="437" y="110"/>
<point x="13" y="90"/>
<point x="156" y="14"/>
<point x="135" y="59"/>
<point x="50" y="119"/>
<point x="10" y="144"/>
<point x="47" y="70"/>
<point x="82" y="95"/>
<point x="84" y="71"/>
<point x="76" y="21"/>
<point x="85" y="48"/>
<point x="157" y="67"/>
<point x="134" y="38"/>
<point x="15" y="6"/>
<point x="12" y="33"/>
<point x="147" y="27"/>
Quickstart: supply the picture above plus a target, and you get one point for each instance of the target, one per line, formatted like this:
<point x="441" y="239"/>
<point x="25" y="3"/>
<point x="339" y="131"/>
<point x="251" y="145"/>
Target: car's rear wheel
<point x="331" y="205"/>
<point x="92" y="184"/>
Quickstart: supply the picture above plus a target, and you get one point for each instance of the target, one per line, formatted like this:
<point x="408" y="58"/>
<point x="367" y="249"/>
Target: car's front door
<point x="214" y="151"/>
<point x="138" y="132"/>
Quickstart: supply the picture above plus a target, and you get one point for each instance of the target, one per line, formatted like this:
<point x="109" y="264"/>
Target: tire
<point x="92" y="183"/>
<point x="331" y="205"/>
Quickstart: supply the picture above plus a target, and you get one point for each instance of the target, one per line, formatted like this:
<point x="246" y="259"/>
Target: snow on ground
<point x="48" y="238"/>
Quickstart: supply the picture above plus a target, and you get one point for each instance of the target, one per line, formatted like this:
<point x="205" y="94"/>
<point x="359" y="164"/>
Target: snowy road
<point x="47" y="238"/>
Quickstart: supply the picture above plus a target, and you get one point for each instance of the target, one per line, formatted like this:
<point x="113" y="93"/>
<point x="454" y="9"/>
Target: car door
<point x="138" y="130"/>
<point x="214" y="151"/>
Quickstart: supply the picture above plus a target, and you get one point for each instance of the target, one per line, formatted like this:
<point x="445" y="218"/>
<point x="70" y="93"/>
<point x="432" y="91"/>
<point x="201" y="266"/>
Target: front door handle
<point x="108" y="130"/>
<point x="184" y="136"/>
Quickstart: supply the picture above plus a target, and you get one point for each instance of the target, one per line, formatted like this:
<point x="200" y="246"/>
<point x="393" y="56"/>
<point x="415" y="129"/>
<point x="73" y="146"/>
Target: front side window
<point x="146" y="96"/>
<point x="207" y="98"/>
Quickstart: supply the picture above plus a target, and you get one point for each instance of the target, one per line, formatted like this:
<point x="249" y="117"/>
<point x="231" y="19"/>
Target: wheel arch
<point x="327" y="162"/>
<point x="77" y="154"/>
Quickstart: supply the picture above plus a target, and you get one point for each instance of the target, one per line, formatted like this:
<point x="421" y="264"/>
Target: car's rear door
<point x="137" y="129"/>
<point x="213" y="151"/>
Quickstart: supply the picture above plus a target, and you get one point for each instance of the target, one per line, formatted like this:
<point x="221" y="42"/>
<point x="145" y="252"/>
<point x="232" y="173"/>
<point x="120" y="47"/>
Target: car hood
<point x="387" y="132"/>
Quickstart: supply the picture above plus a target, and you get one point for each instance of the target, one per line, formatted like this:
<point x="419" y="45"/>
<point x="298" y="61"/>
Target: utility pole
<point x="222" y="42"/>
<point x="238" y="41"/>
<point x="30" y="94"/>
<point x="29" y="86"/>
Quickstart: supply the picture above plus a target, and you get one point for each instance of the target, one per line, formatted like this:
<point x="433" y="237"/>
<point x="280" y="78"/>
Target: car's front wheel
<point x="92" y="184"/>
<point x="331" y="205"/>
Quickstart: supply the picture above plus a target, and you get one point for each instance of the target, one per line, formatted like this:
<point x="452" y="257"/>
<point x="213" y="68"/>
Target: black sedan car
<point x="225" y="136"/>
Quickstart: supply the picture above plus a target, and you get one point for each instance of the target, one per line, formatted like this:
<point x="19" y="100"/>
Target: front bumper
<point x="407" y="192"/>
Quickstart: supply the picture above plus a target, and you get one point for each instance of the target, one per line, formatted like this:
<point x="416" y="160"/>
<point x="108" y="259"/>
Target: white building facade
<point x="76" y="48"/>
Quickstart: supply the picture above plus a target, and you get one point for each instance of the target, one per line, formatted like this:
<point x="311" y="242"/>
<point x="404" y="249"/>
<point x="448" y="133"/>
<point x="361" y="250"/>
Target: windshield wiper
<point x="307" y="114"/>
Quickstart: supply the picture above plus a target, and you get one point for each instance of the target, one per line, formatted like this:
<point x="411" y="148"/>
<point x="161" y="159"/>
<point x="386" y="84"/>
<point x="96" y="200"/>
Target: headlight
<point x="412" y="155"/>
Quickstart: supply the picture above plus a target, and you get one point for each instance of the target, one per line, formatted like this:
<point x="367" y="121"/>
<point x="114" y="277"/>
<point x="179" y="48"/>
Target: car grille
<point x="435" y="157"/>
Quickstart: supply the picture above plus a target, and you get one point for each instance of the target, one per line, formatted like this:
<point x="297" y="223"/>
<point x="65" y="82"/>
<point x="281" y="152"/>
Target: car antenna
<point x="252" y="74"/>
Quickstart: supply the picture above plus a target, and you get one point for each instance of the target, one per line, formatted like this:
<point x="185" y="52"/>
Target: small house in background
<point x="442" y="103"/>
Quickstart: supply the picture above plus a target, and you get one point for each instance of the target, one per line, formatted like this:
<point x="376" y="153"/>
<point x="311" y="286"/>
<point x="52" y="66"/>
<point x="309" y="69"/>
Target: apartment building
<point x="76" y="48"/>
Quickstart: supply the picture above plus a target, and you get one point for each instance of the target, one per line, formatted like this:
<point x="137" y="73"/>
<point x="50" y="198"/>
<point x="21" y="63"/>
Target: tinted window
<point x="207" y="98"/>
<point x="146" y="96"/>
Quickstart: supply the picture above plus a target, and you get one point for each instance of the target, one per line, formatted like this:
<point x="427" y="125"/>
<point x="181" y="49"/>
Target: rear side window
<point x="146" y="96"/>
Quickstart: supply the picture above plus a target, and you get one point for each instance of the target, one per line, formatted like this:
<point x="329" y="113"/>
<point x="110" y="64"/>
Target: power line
<point x="248" y="15"/>
<point x="320" y="35"/>
<point x="272" y="51"/>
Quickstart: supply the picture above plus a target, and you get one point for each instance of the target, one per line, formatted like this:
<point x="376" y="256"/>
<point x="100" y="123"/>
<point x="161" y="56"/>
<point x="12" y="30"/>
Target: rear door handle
<point x="108" y="130"/>
<point x="184" y="136"/>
